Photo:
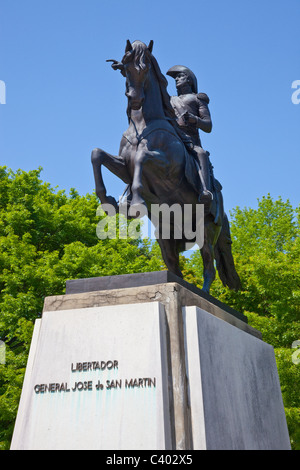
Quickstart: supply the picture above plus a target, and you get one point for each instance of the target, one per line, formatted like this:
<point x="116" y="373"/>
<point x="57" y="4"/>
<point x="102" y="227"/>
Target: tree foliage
<point x="48" y="236"/>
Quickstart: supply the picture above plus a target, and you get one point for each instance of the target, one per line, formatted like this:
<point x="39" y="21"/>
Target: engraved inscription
<point x="89" y="385"/>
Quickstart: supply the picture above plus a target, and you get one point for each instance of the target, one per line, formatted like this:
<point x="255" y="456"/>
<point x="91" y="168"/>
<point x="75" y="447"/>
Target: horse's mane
<point x="168" y="109"/>
<point x="141" y="54"/>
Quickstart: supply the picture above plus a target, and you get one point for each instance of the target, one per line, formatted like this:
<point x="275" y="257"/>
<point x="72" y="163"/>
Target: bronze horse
<point x="157" y="168"/>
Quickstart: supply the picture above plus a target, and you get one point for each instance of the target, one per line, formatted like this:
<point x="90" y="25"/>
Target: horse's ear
<point x="150" y="47"/>
<point x="128" y="46"/>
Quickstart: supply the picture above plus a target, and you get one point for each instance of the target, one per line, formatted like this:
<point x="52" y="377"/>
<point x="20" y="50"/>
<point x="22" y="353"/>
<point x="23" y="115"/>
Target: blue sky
<point x="63" y="99"/>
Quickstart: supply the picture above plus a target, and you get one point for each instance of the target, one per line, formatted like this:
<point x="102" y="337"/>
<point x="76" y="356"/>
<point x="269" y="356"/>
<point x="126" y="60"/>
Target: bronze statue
<point x="154" y="162"/>
<point x="191" y="109"/>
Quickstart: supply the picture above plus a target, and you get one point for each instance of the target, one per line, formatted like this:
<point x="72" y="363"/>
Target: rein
<point x="155" y="125"/>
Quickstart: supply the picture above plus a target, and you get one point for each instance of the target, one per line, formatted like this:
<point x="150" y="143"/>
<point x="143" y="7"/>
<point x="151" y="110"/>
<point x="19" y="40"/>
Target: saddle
<point x="191" y="169"/>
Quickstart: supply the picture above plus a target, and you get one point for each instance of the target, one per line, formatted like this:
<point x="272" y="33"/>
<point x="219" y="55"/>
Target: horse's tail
<point x="224" y="258"/>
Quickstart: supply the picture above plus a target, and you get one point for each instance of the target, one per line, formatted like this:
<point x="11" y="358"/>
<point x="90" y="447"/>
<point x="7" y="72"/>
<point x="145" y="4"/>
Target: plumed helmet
<point x="173" y="71"/>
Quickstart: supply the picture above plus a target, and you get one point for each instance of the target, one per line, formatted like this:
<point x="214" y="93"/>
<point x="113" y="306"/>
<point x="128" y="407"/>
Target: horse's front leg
<point x="142" y="156"/>
<point x="116" y="165"/>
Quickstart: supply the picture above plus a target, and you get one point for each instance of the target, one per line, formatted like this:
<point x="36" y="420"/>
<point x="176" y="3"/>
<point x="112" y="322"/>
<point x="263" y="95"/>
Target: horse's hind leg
<point x="209" y="271"/>
<point x="114" y="164"/>
<point x="170" y="255"/>
<point x="211" y="233"/>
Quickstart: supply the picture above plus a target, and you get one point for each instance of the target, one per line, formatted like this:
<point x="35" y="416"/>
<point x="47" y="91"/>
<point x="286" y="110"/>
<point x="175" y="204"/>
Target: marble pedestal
<point x="154" y="366"/>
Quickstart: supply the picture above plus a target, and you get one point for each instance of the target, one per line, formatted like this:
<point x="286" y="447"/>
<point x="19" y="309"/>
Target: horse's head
<point x="136" y="66"/>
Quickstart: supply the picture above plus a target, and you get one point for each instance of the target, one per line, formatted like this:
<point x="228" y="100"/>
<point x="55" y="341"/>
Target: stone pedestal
<point x="234" y="389"/>
<point x="152" y="364"/>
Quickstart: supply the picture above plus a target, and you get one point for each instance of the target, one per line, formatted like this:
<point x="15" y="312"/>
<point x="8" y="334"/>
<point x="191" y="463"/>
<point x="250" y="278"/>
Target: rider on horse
<point x="158" y="168"/>
<point x="191" y="109"/>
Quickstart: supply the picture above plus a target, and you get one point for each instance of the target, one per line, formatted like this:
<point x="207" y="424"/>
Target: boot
<point x="206" y="196"/>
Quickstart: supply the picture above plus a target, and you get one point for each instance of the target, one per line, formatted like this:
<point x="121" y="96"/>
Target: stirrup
<point x="206" y="196"/>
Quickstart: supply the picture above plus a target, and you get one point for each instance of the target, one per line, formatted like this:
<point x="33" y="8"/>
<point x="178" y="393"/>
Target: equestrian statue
<point x="161" y="160"/>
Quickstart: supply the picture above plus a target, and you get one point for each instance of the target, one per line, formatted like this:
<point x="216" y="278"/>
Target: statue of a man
<point x="191" y="109"/>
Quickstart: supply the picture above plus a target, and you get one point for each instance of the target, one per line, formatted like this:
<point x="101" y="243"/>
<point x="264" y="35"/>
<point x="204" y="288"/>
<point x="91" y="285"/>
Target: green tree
<point x="266" y="247"/>
<point x="47" y="237"/>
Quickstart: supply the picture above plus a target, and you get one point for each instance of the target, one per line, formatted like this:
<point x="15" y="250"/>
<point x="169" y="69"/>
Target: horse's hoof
<point x="137" y="211"/>
<point x="205" y="289"/>
<point x="110" y="200"/>
<point x="179" y="274"/>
